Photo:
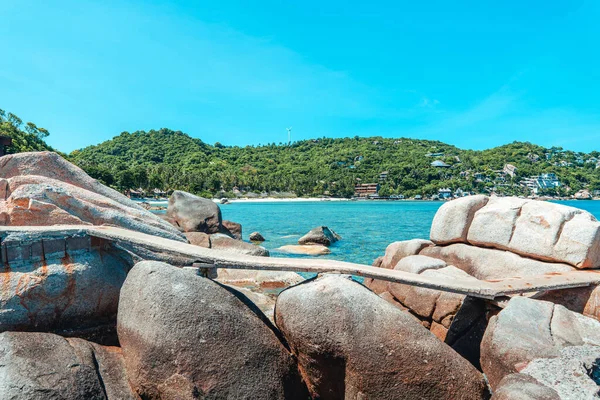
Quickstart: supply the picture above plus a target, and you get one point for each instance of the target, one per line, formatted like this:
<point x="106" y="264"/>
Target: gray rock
<point x="256" y="237"/>
<point x="352" y="344"/>
<point x="219" y="241"/>
<point x="42" y="366"/>
<point x="569" y="374"/>
<point x="184" y="336"/>
<point x="530" y="329"/>
<point x="194" y="214"/>
<point x="523" y="387"/>
<point x="320" y="235"/>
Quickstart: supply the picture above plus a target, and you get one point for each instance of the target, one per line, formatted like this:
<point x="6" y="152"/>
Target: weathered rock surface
<point x="194" y="214"/>
<point x="352" y="344"/>
<point x="184" y="336"/>
<point x="529" y="329"/>
<point x="258" y="279"/>
<point x="307" y="249"/>
<point x="321" y="235"/>
<point x="256" y="237"/>
<point x="232" y="229"/>
<point x="198" y="239"/>
<point x="452" y="220"/>
<point x="485" y="263"/>
<point x="51" y="165"/>
<point x="42" y="366"/>
<point x="394" y="253"/>
<point x="219" y="241"/>
<point x="493" y="224"/>
<point x="569" y="374"/>
<point x="67" y="285"/>
<point x="540" y="230"/>
<point x="38" y="200"/>
<point x="523" y="387"/>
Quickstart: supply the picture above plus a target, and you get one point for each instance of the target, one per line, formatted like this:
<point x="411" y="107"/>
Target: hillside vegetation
<point x="25" y="136"/>
<point x="167" y="159"/>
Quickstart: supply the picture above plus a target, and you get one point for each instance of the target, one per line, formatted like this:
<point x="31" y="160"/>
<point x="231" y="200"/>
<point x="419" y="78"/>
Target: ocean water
<point x="366" y="227"/>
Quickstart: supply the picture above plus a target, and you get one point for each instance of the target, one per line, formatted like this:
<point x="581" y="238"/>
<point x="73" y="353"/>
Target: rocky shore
<point x="88" y="318"/>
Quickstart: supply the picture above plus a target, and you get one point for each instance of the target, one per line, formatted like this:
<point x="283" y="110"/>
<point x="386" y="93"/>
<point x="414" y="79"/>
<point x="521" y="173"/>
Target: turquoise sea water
<point x="367" y="227"/>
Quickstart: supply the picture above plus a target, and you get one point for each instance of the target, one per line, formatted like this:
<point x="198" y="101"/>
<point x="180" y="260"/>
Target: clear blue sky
<point x="472" y="73"/>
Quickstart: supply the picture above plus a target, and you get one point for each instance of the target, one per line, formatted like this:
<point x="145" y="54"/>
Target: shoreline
<point x="317" y="200"/>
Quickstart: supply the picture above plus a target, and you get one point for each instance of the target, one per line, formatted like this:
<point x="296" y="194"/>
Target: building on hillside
<point x="159" y="193"/>
<point x="383" y="176"/>
<point x="533" y="157"/>
<point x="445" y="193"/>
<point x="135" y="193"/>
<point x="547" y="181"/>
<point x="5" y="141"/>
<point x="510" y="170"/>
<point x="366" y="190"/>
<point x="440" y="164"/>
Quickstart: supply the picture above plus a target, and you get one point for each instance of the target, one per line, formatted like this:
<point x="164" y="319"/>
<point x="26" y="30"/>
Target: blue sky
<point x="476" y="74"/>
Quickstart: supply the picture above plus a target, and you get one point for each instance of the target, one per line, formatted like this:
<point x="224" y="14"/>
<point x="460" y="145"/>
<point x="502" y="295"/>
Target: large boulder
<point x="38" y="200"/>
<point x="540" y="230"/>
<point x="58" y="283"/>
<point x="493" y="224"/>
<point x="452" y="220"/>
<point x="42" y="366"/>
<point x="352" y="344"/>
<point x="530" y="329"/>
<point x="51" y="165"/>
<point x="191" y="213"/>
<point x="483" y="263"/>
<point x="320" y="235"/>
<point x="184" y="336"/>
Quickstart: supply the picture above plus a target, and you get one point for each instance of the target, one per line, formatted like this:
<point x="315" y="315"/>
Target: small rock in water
<point x="320" y="235"/>
<point x="310" y="250"/>
<point x="256" y="237"/>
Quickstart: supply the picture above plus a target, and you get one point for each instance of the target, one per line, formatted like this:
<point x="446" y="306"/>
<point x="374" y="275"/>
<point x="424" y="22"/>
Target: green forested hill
<point x="25" y="137"/>
<point x="167" y="159"/>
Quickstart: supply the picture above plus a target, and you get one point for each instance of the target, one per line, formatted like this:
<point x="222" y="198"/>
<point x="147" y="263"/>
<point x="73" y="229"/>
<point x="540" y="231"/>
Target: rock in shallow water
<point x="352" y="344"/>
<point x="191" y="213"/>
<point x="321" y="235"/>
<point x="184" y="336"/>
<point x="309" y="249"/>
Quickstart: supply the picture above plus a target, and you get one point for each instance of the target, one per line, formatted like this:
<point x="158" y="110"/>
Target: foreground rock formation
<point x="44" y="189"/>
<point x="221" y="348"/>
<point x="527" y="331"/>
<point x="351" y="344"/>
<point x="41" y="366"/>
